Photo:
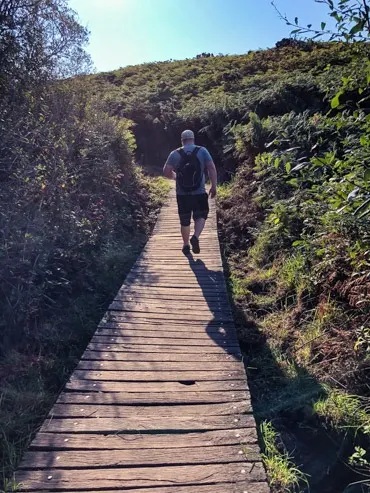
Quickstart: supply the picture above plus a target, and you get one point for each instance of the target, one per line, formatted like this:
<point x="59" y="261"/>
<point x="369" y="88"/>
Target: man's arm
<point x="169" y="172"/>
<point x="168" y="169"/>
<point x="212" y="173"/>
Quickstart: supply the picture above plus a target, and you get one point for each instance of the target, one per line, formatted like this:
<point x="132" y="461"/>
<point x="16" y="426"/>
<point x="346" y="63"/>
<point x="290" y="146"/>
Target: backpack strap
<point x="181" y="151"/>
<point x="183" y="154"/>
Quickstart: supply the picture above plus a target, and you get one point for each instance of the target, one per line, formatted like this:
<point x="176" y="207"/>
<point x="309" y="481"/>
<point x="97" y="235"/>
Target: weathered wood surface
<point x="126" y="478"/>
<point x="159" y="402"/>
<point x="154" y="398"/>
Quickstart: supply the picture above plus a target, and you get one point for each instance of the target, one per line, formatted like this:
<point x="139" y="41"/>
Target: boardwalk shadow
<point x="220" y="328"/>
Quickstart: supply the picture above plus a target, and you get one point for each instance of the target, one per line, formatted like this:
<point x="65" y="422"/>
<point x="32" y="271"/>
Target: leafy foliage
<point x="352" y="21"/>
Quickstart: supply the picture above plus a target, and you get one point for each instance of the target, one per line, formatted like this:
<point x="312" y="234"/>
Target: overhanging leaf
<point x="334" y="103"/>
<point x="357" y="28"/>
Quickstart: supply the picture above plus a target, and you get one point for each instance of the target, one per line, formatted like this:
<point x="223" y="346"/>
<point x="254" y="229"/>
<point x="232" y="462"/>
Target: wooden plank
<point x="114" y="318"/>
<point x="163" y="330"/>
<point x="176" y="271"/>
<point x="188" y="280"/>
<point x="113" y="410"/>
<point x="173" y="311"/>
<point x="255" y="487"/>
<point x="142" y="457"/>
<point x="171" y="223"/>
<point x="163" y="282"/>
<point x="169" y="423"/>
<point x="65" y="441"/>
<point x="217" y="339"/>
<point x="244" y="473"/>
<point x="168" y="282"/>
<point x="211" y="262"/>
<point x="190" y="288"/>
<point x="131" y="292"/>
<point x="173" y="307"/>
<point x="156" y="298"/>
<point x="149" y="348"/>
<point x="182" y="386"/>
<point x="186" y="290"/>
<point x="166" y="308"/>
<point x="125" y="334"/>
<point x="171" y="316"/>
<point x="173" y="268"/>
<point x="148" y="297"/>
<point x="163" y="244"/>
<point x="160" y="366"/>
<point x="209" y="255"/>
<point x="150" y="398"/>
<point x="137" y="319"/>
<point x="211" y="277"/>
<point x="194" y="303"/>
<point x="162" y="324"/>
<point x="195" y="300"/>
<point x="152" y="345"/>
<point x="199" y="293"/>
<point x="159" y="357"/>
<point x="117" y="329"/>
<point x="158" y="376"/>
<point x="178" y="267"/>
<point x="180" y="290"/>
<point x="206" y="240"/>
<point x="174" y="235"/>
<point x="174" y="226"/>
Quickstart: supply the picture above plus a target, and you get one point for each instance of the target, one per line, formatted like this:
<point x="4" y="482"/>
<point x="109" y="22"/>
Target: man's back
<point x="204" y="157"/>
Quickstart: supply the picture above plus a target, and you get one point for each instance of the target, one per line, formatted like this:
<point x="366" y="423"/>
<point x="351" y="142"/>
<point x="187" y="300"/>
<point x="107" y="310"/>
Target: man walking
<point x="187" y="166"/>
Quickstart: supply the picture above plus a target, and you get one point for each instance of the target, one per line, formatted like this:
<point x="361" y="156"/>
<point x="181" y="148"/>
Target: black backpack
<point x="189" y="172"/>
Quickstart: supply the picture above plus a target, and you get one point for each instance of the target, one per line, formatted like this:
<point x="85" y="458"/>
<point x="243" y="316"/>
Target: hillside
<point x="211" y="93"/>
<point x="289" y="130"/>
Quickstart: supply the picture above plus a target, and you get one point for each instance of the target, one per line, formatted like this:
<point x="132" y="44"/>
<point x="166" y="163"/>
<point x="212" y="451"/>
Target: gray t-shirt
<point x="203" y="156"/>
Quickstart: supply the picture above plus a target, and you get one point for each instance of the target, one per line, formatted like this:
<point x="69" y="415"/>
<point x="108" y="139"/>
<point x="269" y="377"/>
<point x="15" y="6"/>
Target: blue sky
<point x="128" y="32"/>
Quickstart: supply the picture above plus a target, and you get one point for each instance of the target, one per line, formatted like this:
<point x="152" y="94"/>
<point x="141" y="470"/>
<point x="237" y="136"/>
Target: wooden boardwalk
<point x="159" y="402"/>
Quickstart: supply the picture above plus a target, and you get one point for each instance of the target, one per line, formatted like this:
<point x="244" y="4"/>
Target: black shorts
<point x="196" y="204"/>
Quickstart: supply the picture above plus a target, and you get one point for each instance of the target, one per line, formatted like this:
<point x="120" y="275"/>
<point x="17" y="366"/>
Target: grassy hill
<point x="289" y="131"/>
<point x="211" y="93"/>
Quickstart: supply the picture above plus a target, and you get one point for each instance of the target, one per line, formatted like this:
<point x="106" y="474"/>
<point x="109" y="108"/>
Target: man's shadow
<point x="220" y="328"/>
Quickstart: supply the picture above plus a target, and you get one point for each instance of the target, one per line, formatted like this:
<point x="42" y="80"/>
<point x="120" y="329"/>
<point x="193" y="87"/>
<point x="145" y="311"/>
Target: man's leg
<point x="200" y="214"/>
<point x="184" y="209"/>
<point x="198" y="226"/>
<point x="185" y="232"/>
